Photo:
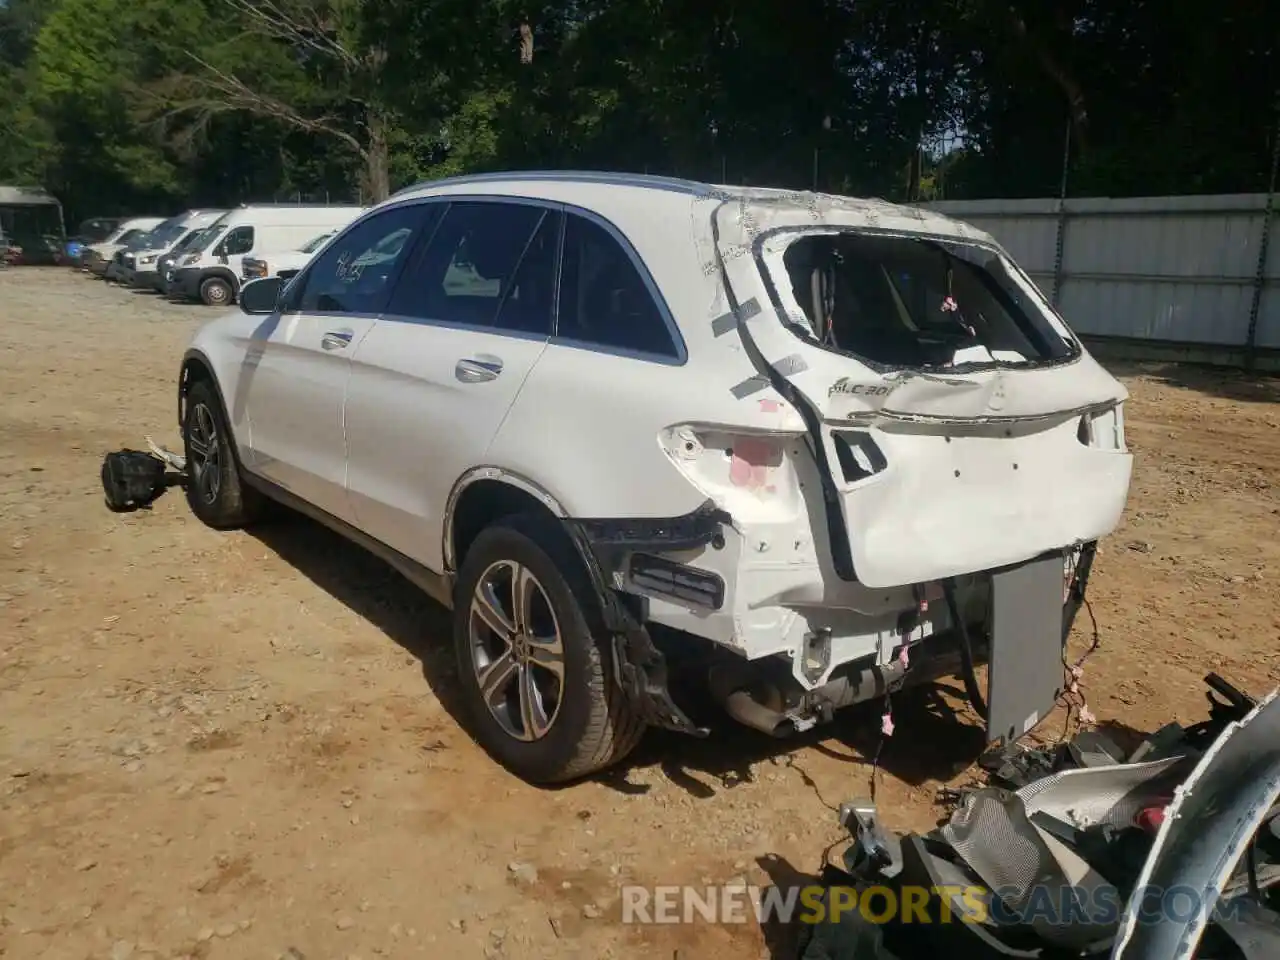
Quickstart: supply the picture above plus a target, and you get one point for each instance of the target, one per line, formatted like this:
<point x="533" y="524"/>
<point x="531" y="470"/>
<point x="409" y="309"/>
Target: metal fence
<point x="1200" y="274"/>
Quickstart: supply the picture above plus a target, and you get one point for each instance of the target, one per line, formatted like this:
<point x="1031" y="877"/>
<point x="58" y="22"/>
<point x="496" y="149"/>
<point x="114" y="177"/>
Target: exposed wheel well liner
<point x="479" y="504"/>
<point x="194" y="367"/>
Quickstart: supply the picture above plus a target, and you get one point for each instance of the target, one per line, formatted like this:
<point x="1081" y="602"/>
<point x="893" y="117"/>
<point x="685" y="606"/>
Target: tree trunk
<point x="1056" y="70"/>
<point x="377" y="159"/>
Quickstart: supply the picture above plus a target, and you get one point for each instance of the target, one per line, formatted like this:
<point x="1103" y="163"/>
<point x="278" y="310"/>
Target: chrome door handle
<point x="336" y="340"/>
<point x="478" y="369"/>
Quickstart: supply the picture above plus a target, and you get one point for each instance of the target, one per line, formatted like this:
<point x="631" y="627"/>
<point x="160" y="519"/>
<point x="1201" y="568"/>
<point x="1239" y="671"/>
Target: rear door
<point x="432" y="382"/>
<point x="299" y="363"/>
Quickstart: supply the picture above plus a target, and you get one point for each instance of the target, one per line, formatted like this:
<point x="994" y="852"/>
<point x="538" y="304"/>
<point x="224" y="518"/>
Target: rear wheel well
<point x="193" y="370"/>
<point x="482" y="503"/>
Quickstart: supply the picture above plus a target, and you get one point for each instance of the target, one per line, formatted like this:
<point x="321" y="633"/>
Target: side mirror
<point x="261" y="296"/>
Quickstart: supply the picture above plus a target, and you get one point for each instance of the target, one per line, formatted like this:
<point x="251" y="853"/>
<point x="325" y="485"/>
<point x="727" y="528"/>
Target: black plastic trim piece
<point x="639" y="666"/>
<point x="675" y="581"/>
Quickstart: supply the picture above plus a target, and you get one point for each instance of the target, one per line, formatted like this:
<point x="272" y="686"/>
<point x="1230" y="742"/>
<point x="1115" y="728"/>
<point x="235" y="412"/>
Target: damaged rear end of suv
<point x="924" y="461"/>
<point x="813" y="449"/>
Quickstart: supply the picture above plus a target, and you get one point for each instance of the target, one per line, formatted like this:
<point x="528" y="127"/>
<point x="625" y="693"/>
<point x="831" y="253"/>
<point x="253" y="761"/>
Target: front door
<point x="299" y="363"/>
<point x="433" y="381"/>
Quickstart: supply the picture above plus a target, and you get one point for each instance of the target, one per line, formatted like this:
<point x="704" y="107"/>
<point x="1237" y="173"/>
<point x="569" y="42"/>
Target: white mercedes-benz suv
<point x="825" y="446"/>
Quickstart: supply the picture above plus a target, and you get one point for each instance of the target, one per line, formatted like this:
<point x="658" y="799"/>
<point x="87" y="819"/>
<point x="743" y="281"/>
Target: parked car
<point x="211" y="271"/>
<point x="98" y="256"/>
<point x="141" y="266"/>
<point x="820" y="445"/>
<point x="283" y="265"/>
<point x="9" y="252"/>
<point x="93" y="230"/>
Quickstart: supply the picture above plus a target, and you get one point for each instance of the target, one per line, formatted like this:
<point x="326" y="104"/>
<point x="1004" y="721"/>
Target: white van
<point x="98" y="255"/>
<point x="285" y="263"/>
<point x="210" y="270"/>
<point x="141" y="266"/>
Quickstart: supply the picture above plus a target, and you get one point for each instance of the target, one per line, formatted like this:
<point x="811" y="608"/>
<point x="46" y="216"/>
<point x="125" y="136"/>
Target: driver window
<point x="354" y="273"/>
<point x="238" y="241"/>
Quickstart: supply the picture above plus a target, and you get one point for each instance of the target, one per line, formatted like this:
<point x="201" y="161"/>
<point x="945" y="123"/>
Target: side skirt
<point x="437" y="586"/>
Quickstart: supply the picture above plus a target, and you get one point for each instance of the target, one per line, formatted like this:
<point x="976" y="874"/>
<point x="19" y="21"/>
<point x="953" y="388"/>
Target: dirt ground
<point x="238" y="745"/>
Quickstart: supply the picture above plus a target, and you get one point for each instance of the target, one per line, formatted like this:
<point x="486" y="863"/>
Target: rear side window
<point x="488" y="265"/>
<point x="238" y="241"/>
<point x="604" y="301"/>
<point x="355" y="272"/>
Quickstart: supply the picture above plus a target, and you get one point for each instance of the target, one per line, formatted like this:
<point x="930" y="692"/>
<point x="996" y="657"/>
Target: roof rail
<point x="641" y="180"/>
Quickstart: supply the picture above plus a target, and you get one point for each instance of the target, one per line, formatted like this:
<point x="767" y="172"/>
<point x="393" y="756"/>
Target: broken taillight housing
<point x="750" y="473"/>
<point x="1103" y="429"/>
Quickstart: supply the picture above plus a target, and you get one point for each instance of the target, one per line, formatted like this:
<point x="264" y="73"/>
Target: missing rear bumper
<point x="621" y="556"/>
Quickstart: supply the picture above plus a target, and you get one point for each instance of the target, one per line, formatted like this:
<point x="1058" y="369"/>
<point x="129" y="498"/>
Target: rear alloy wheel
<point x="517" y="653"/>
<point x="216" y="292"/>
<point x="537" y="683"/>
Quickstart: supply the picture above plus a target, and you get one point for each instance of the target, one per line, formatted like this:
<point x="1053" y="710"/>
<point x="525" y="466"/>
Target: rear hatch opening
<point x="896" y="301"/>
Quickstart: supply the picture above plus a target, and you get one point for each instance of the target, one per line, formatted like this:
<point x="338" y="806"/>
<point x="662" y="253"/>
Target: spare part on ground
<point x="819" y="447"/>
<point x="133" y="479"/>
<point x="1169" y="854"/>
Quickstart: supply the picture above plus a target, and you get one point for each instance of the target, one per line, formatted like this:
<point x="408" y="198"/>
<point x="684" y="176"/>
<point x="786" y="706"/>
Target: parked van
<point x="98" y="256"/>
<point x="31" y="219"/>
<point x="284" y="264"/>
<point x="211" y="273"/>
<point x="141" y="267"/>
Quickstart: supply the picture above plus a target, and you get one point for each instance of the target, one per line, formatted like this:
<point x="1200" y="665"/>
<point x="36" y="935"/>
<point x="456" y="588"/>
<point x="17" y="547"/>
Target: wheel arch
<point x="483" y="494"/>
<point x="197" y="367"/>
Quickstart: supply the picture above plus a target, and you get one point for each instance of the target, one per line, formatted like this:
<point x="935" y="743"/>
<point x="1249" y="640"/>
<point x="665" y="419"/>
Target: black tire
<point x="217" y="292"/>
<point x="214" y="489"/>
<point x="594" y="726"/>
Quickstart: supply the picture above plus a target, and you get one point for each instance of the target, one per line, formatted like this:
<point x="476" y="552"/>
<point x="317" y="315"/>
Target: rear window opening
<point x="915" y="302"/>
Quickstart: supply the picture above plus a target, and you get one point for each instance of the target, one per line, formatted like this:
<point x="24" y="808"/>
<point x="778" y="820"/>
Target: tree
<point x="314" y="67"/>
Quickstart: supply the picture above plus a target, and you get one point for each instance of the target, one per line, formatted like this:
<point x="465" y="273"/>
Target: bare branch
<point x="202" y="97"/>
<point x="301" y="25"/>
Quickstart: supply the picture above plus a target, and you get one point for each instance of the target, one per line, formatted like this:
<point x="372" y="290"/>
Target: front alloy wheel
<point x="205" y="468"/>
<point x="516" y="650"/>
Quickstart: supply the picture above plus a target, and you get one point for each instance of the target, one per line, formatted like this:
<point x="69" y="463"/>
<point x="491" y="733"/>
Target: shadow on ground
<point x="1222" y="382"/>
<point x="931" y="742"/>
<point x="783" y="936"/>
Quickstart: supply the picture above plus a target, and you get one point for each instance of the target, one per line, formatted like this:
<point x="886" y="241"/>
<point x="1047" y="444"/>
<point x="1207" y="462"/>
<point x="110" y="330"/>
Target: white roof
<point x="32" y="195"/>
<point x="625" y="193"/>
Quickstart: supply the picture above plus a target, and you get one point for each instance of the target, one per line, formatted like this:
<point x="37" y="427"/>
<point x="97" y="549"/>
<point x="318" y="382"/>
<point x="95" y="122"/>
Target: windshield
<point x="315" y="244"/>
<point x="165" y="234"/>
<point x="205" y="239"/>
<point x="142" y="241"/>
<point x="129" y="236"/>
<point x="95" y="231"/>
<point x="186" y="242"/>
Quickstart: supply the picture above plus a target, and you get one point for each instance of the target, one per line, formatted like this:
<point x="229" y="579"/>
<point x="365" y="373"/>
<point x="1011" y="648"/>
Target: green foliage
<point x="151" y="104"/>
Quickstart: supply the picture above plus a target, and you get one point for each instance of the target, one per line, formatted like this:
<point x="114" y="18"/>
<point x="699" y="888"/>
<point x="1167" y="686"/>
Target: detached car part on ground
<point x="1170" y="854"/>
<point x="821" y="446"/>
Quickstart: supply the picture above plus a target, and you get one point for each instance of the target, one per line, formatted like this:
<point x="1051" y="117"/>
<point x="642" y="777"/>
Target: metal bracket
<point x="873" y="850"/>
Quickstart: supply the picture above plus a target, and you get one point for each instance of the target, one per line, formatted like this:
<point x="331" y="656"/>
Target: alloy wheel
<point x="517" y="650"/>
<point x="202" y="442"/>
